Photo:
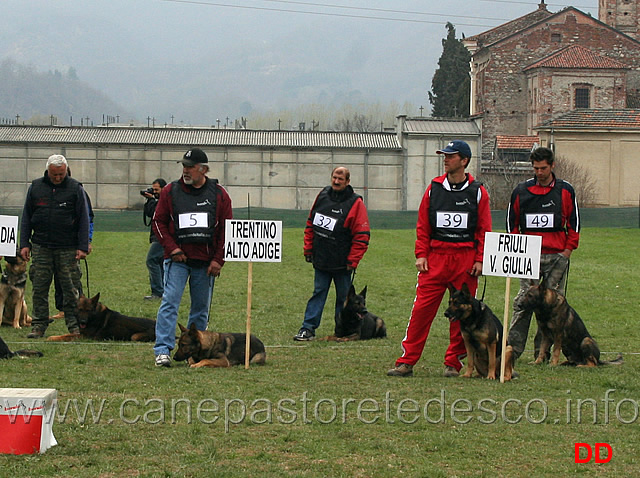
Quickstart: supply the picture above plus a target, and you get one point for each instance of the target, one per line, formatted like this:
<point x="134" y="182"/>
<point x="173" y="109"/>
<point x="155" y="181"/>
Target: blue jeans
<point x="176" y="275"/>
<point x="321" y="284"/>
<point x="154" y="265"/>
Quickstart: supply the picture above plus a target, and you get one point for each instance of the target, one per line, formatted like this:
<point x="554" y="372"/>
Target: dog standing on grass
<point x="13" y="307"/>
<point x="482" y="334"/>
<point x="215" y="349"/>
<point x="561" y="326"/>
<point x="355" y="322"/>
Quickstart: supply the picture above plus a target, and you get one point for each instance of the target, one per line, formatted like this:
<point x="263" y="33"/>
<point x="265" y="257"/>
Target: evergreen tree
<point x="450" y="86"/>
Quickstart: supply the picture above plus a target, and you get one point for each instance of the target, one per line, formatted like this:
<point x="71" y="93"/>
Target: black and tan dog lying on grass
<point x="6" y="353"/>
<point x="98" y="322"/>
<point x="355" y="322"/>
<point x="482" y="334"/>
<point x="562" y="327"/>
<point x="214" y="349"/>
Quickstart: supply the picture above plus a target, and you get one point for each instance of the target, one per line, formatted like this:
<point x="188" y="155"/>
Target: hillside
<point x="35" y="96"/>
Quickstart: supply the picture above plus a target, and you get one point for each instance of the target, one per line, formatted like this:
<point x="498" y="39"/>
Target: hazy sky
<point x="202" y="59"/>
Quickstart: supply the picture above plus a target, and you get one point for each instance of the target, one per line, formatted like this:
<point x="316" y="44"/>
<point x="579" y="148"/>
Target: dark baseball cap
<point x="456" y="146"/>
<point x="194" y="156"/>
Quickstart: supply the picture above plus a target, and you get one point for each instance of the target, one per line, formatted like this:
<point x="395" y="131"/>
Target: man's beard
<point x="187" y="181"/>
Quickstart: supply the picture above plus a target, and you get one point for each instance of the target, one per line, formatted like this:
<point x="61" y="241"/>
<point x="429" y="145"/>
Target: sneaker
<point x="163" y="360"/>
<point x="36" y="333"/>
<point x="152" y="297"/>
<point x="450" y="371"/>
<point x="401" y="370"/>
<point x="59" y="315"/>
<point x="75" y="331"/>
<point x="304" y="335"/>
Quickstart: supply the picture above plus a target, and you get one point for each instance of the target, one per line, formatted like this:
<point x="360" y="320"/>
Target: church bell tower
<point x="623" y="15"/>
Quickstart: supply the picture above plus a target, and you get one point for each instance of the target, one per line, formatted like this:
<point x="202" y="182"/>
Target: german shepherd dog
<point x="213" y="349"/>
<point x="5" y="353"/>
<point x="561" y="326"/>
<point x="13" y="308"/>
<point x="98" y="322"/>
<point x="482" y="334"/>
<point x="355" y="322"/>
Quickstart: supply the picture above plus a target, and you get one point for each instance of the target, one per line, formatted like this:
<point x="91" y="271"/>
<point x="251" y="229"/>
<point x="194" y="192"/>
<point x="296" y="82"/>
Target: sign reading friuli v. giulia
<point x="512" y="255"/>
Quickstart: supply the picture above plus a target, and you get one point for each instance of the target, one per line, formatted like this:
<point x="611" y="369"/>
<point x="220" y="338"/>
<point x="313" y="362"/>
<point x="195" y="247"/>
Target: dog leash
<point x="484" y="288"/>
<point x="86" y="268"/>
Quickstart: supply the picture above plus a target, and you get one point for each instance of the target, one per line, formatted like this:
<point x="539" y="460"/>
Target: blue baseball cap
<point x="456" y="146"/>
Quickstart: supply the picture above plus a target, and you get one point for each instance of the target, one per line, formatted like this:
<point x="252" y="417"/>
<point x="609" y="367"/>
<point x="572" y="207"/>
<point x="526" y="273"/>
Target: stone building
<point x="543" y="64"/>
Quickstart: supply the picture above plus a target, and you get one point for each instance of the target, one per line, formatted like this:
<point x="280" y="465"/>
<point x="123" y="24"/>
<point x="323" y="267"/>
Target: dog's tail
<point x="616" y="361"/>
<point x="28" y="353"/>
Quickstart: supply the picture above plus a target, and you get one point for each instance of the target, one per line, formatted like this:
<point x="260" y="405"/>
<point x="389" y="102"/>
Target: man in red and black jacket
<point x="189" y="222"/>
<point x="542" y="206"/>
<point x="453" y="218"/>
<point x="335" y="239"/>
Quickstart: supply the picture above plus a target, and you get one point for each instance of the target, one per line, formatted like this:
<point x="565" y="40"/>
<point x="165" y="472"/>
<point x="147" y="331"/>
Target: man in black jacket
<point x="55" y="232"/>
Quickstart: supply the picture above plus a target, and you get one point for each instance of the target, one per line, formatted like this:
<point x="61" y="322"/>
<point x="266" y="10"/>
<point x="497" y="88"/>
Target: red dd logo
<point x="598" y="457"/>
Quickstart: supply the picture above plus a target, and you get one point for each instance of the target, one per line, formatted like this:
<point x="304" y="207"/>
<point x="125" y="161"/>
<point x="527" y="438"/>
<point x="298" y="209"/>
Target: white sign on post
<point x="511" y="255"/>
<point x="8" y="235"/>
<point x="253" y="241"/>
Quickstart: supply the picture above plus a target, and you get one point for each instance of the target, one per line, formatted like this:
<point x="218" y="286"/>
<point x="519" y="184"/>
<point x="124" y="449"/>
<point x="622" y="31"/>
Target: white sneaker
<point x="163" y="360"/>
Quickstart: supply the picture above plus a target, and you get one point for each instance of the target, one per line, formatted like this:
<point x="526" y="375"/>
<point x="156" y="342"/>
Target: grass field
<point x="323" y="409"/>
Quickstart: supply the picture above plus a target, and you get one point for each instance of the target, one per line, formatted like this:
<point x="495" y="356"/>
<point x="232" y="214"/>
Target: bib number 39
<point x="452" y="220"/>
<point x="325" y="222"/>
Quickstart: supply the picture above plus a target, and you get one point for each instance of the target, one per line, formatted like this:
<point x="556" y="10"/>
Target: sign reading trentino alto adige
<point x="253" y="241"/>
<point x="512" y="255"/>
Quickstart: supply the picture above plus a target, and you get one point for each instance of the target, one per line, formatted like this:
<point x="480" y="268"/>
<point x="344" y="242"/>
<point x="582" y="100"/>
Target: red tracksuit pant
<point x="450" y="267"/>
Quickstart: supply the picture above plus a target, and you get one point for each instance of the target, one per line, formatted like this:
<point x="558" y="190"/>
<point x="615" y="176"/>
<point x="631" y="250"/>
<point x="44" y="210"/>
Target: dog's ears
<point x="363" y="292"/>
<point x="96" y="298"/>
<point x="465" y="289"/>
<point x="193" y="329"/>
<point x="183" y="329"/>
<point x="352" y="291"/>
<point x="452" y="289"/>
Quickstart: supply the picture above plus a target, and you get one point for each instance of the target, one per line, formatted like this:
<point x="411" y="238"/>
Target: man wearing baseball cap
<point x="189" y="222"/>
<point x="452" y="220"/>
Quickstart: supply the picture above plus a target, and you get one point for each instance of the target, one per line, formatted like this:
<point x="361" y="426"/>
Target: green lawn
<point x="325" y="409"/>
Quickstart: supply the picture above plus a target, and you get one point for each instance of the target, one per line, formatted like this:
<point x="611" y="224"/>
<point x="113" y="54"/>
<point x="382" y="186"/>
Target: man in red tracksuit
<point x="452" y="220"/>
<point x="543" y="206"/>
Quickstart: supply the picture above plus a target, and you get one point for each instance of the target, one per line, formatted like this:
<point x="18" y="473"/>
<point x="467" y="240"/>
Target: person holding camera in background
<point x="155" y="256"/>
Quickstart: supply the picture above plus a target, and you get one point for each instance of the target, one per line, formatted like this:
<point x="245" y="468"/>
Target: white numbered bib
<point x="325" y="222"/>
<point x="193" y="219"/>
<point x="452" y="219"/>
<point x="539" y="221"/>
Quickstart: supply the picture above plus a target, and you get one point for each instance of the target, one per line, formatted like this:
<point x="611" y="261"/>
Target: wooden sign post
<point x="510" y="255"/>
<point x="252" y="241"/>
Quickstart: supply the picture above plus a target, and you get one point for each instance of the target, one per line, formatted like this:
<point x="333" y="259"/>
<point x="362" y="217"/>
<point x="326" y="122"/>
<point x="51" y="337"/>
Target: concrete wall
<point x="275" y="178"/>
<point x="613" y="167"/>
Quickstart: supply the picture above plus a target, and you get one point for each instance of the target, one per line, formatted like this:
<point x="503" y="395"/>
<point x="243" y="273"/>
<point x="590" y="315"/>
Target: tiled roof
<point x="201" y="137"/>
<point x="506" y="29"/>
<point x="576" y="56"/>
<point x="516" y="142"/>
<point x="590" y="118"/>
<point x="439" y="125"/>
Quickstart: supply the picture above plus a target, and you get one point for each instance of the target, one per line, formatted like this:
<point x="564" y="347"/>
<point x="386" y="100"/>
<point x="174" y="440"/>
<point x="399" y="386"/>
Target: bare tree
<point x="580" y="178"/>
